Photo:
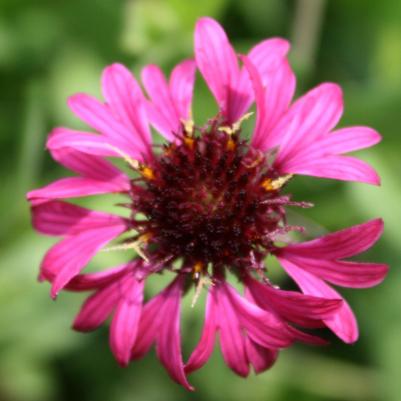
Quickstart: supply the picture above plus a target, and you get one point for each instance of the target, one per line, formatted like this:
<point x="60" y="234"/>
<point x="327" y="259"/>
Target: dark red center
<point x="208" y="199"/>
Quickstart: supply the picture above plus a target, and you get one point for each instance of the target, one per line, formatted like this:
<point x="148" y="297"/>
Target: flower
<point x="206" y="205"/>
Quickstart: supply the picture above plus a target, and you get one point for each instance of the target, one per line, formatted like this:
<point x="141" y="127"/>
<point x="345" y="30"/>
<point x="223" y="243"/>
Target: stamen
<point x="272" y="185"/>
<point x="132" y="162"/>
<point x="188" y="125"/>
<point x="236" y="126"/>
<point x="136" y="245"/>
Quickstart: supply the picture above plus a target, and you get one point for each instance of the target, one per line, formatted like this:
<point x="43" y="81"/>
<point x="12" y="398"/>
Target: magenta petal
<point x="148" y="326"/>
<point x="295" y="307"/>
<point x="168" y="343"/>
<point x="161" y="110"/>
<point x="125" y="98"/>
<point x="124" y="326"/>
<point x="232" y="338"/>
<point x="74" y="187"/>
<point x="92" y="281"/>
<point x="337" y="167"/>
<point x="99" y="117"/>
<point x="69" y="256"/>
<point x="271" y="101"/>
<point x="86" y="142"/>
<point x="343" y="323"/>
<point x="204" y="348"/>
<point x="97" y="308"/>
<point x="309" y="118"/>
<point x="343" y="273"/>
<point x="62" y="218"/>
<point x="340" y="244"/>
<point x="217" y="61"/>
<point x="181" y="87"/>
<point x="259" y="357"/>
<point x="344" y="140"/>
<point x="262" y="326"/>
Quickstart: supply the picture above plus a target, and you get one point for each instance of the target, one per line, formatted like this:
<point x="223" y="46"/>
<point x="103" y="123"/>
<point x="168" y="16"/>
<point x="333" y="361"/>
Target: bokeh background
<point x="51" y="49"/>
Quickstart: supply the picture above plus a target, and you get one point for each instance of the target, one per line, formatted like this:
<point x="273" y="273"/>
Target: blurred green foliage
<point x="51" y="49"/>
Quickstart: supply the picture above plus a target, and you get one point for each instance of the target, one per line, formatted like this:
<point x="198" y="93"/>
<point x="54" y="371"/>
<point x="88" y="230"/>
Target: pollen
<point x="147" y="173"/>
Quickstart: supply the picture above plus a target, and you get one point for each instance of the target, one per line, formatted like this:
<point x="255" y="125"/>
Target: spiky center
<point x="209" y="199"/>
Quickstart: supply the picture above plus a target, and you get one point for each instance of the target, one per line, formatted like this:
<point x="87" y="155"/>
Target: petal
<point x="148" y="326"/>
<point x="204" y="348"/>
<point x="68" y="257"/>
<point x="125" y="98"/>
<point x="93" y="281"/>
<point x="310" y="117"/>
<point x="343" y="273"/>
<point x="97" y="308"/>
<point x="62" y="218"/>
<point x="344" y="140"/>
<point x="262" y="326"/>
<point x="99" y="117"/>
<point x="340" y="244"/>
<point x="87" y="143"/>
<point x="217" y="61"/>
<point x="168" y="343"/>
<point x="343" y="323"/>
<point x="337" y="167"/>
<point x="232" y="339"/>
<point x="74" y="187"/>
<point x="124" y="326"/>
<point x="161" y="110"/>
<point x="272" y="101"/>
<point x="86" y="165"/>
<point x="259" y="357"/>
<point x="295" y="307"/>
<point x="182" y="86"/>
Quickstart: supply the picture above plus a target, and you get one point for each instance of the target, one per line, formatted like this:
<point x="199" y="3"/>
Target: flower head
<point x="205" y="205"/>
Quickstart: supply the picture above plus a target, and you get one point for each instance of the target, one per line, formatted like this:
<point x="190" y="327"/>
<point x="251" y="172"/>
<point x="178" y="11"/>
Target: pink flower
<point x="206" y="205"/>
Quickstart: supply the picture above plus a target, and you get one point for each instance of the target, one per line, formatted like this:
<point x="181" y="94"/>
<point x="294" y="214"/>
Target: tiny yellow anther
<point x="197" y="269"/>
<point x="237" y="124"/>
<point x="147" y="173"/>
<point x="189" y="141"/>
<point x="272" y="185"/>
<point x="188" y="124"/>
<point x="230" y="145"/>
<point x="132" y="162"/>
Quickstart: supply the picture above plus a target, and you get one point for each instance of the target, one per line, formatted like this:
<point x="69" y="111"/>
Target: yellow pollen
<point x="188" y="126"/>
<point x="132" y="162"/>
<point x="236" y="126"/>
<point x="272" y="185"/>
<point x="230" y="144"/>
<point x="197" y="269"/>
<point x="190" y="142"/>
<point x="147" y="173"/>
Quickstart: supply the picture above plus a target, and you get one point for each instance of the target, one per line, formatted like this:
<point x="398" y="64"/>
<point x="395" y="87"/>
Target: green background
<point x="52" y="49"/>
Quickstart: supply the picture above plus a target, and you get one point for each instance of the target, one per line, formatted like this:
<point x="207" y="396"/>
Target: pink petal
<point x="61" y="218"/>
<point x="343" y="273"/>
<point x="86" y="165"/>
<point x="340" y="244"/>
<point x="99" y="117"/>
<point x="266" y="56"/>
<point x="68" y="257"/>
<point x="97" y="308"/>
<point x="168" y="343"/>
<point x="337" y="167"/>
<point x="343" y="323"/>
<point x="148" y="326"/>
<point x="343" y="140"/>
<point x="124" y="326"/>
<point x="86" y="142"/>
<point x="232" y="339"/>
<point x="74" y="187"/>
<point x="261" y="325"/>
<point x="182" y="86"/>
<point x="295" y="307"/>
<point x="309" y="118"/>
<point x="204" y="348"/>
<point x="92" y="281"/>
<point x="271" y="101"/>
<point x="161" y="110"/>
<point x="217" y="62"/>
<point x="259" y="357"/>
<point x="124" y="96"/>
